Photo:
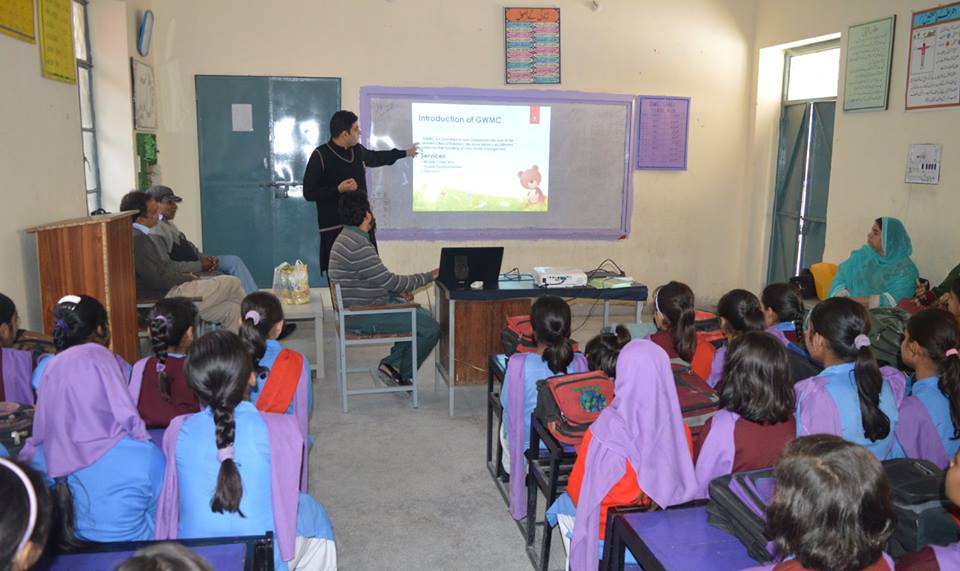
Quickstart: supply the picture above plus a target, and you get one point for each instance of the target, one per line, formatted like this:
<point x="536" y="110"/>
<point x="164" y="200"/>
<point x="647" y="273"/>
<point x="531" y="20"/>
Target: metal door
<point x="255" y="136"/>
<point x="791" y="166"/>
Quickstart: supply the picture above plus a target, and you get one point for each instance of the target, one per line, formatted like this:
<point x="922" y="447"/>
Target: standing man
<point x="337" y="167"/>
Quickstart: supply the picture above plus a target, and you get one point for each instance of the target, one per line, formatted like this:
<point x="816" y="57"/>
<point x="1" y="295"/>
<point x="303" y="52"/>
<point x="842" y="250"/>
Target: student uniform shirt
<point x="926" y="426"/>
<point x="702" y="361"/>
<point x="882" y="564"/>
<point x="535" y="368"/>
<point x="156" y="411"/>
<point x="115" y="498"/>
<point x="829" y="404"/>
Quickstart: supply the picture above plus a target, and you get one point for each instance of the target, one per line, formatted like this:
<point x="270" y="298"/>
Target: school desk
<point x="312" y="311"/>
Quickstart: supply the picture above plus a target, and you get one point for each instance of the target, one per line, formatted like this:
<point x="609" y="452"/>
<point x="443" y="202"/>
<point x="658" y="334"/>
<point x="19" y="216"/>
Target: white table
<point x="306" y="312"/>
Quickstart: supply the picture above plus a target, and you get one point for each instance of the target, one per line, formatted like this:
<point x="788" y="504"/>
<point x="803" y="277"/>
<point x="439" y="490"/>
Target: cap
<point x="160" y="192"/>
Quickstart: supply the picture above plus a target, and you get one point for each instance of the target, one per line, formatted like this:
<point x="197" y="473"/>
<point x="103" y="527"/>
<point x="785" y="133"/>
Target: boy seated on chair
<point x="364" y="280"/>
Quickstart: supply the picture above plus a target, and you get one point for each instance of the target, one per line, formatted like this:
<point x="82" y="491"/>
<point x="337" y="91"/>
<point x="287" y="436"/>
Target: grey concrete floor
<point x="408" y="488"/>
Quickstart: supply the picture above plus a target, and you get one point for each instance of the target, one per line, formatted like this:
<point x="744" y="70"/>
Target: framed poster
<point x="866" y="80"/>
<point x="16" y="19"/>
<point x="532" y="45"/>
<point x="662" y="132"/>
<point x="56" y="40"/>
<point x="933" y="66"/>
<point x="144" y="96"/>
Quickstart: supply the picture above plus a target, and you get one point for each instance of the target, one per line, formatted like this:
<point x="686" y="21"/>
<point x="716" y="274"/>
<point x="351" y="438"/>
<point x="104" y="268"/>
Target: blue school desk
<point x="471" y="320"/>
<point x="677" y="538"/>
<point x="247" y="553"/>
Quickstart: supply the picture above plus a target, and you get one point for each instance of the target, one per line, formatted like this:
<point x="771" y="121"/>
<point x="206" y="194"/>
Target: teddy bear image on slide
<point x="530" y="180"/>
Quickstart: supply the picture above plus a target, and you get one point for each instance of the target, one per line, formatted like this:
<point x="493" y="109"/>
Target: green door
<point x="255" y="137"/>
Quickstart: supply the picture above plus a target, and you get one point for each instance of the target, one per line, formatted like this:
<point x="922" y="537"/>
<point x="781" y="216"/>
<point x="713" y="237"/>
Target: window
<point x="812" y="72"/>
<point x="88" y="133"/>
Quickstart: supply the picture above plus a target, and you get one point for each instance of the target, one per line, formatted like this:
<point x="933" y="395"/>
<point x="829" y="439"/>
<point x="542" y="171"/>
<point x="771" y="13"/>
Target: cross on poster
<point x="662" y="133"/>
<point x="933" y="74"/>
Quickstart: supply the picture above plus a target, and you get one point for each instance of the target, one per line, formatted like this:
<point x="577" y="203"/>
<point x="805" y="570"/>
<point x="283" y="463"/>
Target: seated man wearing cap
<point x="156" y="277"/>
<point x="186" y="257"/>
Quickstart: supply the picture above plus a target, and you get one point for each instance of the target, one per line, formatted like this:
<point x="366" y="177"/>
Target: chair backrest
<point x="334" y="296"/>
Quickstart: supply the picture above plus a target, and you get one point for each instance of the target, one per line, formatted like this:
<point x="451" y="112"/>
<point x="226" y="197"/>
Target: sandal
<point x="395" y="376"/>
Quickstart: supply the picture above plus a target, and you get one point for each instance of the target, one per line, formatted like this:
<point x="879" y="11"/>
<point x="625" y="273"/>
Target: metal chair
<point x="347" y="339"/>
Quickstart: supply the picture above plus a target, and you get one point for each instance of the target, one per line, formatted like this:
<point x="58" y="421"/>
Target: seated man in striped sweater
<point x="364" y="280"/>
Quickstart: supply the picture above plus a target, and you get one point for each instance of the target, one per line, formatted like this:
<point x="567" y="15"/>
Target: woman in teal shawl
<point x="880" y="273"/>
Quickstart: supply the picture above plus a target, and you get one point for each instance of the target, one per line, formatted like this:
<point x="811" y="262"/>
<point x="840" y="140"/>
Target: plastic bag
<point x="291" y="284"/>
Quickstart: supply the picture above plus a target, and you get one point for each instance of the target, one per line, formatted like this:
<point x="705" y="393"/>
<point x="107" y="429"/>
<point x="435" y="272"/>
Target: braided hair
<point x="261" y="312"/>
<point x="78" y="320"/>
<point x="218" y="370"/>
<point x="170" y="319"/>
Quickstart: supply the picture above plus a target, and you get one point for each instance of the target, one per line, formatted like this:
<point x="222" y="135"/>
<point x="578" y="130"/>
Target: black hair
<point x="756" y="379"/>
<point x="840" y="320"/>
<point x="353" y="208"/>
<point x="832" y="508"/>
<point x="7" y="310"/>
<point x="166" y="556"/>
<point x="936" y="331"/>
<point x="169" y="321"/>
<point x="341" y="121"/>
<point x="955" y="287"/>
<point x="786" y="301"/>
<point x="16" y="510"/>
<point x="602" y="351"/>
<point x="78" y="323"/>
<point x="741" y="310"/>
<point x="135" y="200"/>
<point x="675" y="302"/>
<point x="218" y="370"/>
<point x="256" y="332"/>
<point x="879" y="222"/>
<point x="550" y="318"/>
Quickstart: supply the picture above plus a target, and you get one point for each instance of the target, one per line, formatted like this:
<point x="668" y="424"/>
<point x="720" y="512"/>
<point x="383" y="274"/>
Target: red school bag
<point x="517" y="336"/>
<point x="568" y="404"/>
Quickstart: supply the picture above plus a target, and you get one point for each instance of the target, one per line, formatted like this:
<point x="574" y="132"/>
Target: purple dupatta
<point x="642" y="426"/>
<point x="718" y="450"/>
<point x="918" y="435"/>
<point x="83" y="410"/>
<point x="136" y="379"/>
<point x="948" y="557"/>
<point x="301" y="412"/>
<point x="17" y="373"/>
<point x="515" y="436"/>
<point x="286" y="449"/>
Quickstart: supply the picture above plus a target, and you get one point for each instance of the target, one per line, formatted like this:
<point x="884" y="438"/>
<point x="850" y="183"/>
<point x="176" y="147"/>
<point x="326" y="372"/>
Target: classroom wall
<point x="686" y="225"/>
<point x="870" y="148"/>
<point x="41" y="166"/>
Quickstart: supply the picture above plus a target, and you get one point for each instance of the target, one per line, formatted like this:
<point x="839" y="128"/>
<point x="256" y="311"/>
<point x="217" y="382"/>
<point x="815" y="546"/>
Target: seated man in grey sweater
<point x="157" y="277"/>
<point x="364" y="280"/>
<point x="183" y="253"/>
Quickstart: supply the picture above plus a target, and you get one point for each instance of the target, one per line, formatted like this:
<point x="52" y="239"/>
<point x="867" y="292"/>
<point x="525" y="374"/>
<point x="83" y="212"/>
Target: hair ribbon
<point x="31" y="498"/>
<point x="861" y="341"/>
<point x="254" y="316"/>
<point x="74" y="299"/>
<point x="952" y="352"/>
<point x="226" y="453"/>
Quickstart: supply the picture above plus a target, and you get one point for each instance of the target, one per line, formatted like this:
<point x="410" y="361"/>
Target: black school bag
<point x="738" y="504"/>
<point x="16" y="425"/>
<point x="922" y="511"/>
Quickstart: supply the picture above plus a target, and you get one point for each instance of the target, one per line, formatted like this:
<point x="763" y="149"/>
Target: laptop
<point x="460" y="267"/>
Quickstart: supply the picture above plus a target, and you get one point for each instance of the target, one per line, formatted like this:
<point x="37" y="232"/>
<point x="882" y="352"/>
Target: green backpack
<point x="886" y="331"/>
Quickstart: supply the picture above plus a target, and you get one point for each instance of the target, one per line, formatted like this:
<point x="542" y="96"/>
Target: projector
<point x="559" y="277"/>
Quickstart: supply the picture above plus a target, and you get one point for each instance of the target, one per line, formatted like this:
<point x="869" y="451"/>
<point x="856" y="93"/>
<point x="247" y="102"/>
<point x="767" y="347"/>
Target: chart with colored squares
<point x="532" y="45"/>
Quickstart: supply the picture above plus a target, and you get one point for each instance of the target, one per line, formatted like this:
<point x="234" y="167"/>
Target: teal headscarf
<point x="867" y="273"/>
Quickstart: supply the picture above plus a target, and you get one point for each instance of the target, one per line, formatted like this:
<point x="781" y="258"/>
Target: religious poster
<point x="16" y="19"/>
<point x="933" y="72"/>
<point x="662" y="133"/>
<point x="532" y="43"/>
<point x="866" y="82"/>
<point x="56" y="40"/>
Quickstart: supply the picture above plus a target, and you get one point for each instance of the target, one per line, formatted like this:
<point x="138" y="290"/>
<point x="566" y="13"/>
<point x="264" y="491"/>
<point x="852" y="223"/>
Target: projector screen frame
<point x="521" y="96"/>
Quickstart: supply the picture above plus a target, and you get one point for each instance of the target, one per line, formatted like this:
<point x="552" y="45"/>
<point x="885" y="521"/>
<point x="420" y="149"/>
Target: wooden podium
<point x="92" y="256"/>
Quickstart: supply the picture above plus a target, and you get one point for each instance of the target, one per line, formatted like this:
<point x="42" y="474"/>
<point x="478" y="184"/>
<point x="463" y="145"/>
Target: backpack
<point x="698" y="402"/>
<point x="738" y="504"/>
<point x="801" y="365"/>
<point x="568" y="404"/>
<point x="517" y="336"/>
<point x="16" y="425"/>
<point x="886" y="332"/>
<point x="922" y="513"/>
